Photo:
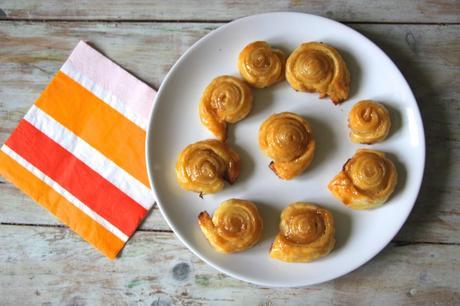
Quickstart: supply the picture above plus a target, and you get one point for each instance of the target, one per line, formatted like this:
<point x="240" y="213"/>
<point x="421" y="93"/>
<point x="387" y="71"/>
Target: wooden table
<point x="43" y="262"/>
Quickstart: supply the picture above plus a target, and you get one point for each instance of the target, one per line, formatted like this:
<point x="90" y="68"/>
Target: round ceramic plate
<point x="175" y="124"/>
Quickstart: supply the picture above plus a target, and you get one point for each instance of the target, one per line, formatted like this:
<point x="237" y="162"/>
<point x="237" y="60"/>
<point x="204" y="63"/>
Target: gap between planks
<point x="216" y="21"/>
<point x="396" y="242"/>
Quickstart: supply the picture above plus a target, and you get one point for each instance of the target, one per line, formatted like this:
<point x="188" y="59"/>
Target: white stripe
<point x="91" y="157"/>
<point x="102" y="94"/>
<point x="63" y="192"/>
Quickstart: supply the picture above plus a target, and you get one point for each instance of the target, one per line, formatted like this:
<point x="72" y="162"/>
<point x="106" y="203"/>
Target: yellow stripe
<point x="106" y="242"/>
<point x="97" y="123"/>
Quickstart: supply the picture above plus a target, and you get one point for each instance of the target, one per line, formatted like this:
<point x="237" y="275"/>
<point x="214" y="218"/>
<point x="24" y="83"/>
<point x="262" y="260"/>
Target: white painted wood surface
<point x="427" y="11"/>
<point x="52" y="266"/>
<point x="428" y="55"/>
<point x="43" y="262"/>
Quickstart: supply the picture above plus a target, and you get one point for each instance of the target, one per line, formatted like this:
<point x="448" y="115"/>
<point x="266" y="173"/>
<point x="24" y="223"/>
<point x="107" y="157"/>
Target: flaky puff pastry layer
<point x="261" y="65"/>
<point x="369" y="122"/>
<point x="288" y="139"/>
<point x="306" y="233"/>
<point x="226" y="99"/>
<point x="317" y="67"/>
<point x="205" y="165"/>
<point x="366" y="181"/>
<point x="235" y="226"/>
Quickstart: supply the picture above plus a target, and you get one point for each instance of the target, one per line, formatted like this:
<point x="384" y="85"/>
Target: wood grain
<point x="423" y="11"/>
<point x="43" y="265"/>
<point x="428" y="55"/>
<point x="43" y="262"/>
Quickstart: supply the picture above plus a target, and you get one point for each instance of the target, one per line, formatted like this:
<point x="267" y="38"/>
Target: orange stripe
<point x="97" y="123"/>
<point x="76" y="177"/>
<point x="91" y="231"/>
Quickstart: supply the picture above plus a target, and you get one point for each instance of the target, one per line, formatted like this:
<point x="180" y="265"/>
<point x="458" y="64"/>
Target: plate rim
<point x="149" y="166"/>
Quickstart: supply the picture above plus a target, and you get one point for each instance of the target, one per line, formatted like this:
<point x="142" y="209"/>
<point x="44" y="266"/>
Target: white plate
<point x="175" y="124"/>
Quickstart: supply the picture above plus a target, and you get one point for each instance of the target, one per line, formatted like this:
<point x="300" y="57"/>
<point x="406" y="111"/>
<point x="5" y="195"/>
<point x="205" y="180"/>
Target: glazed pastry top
<point x="235" y="226"/>
<point x="317" y="67"/>
<point x="261" y="65"/>
<point x="226" y="99"/>
<point x="306" y="233"/>
<point x="369" y="122"/>
<point x="366" y="181"/>
<point x="288" y="139"/>
<point x="205" y="165"/>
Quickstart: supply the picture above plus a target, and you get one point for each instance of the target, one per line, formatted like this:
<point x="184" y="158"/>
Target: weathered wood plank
<point x="428" y="56"/>
<point x="40" y="267"/>
<point x="441" y="11"/>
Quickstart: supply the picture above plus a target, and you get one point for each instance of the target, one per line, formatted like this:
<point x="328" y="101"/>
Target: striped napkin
<point x="79" y="151"/>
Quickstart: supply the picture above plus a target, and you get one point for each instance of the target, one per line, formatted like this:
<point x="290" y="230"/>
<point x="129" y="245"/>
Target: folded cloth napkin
<point x="79" y="150"/>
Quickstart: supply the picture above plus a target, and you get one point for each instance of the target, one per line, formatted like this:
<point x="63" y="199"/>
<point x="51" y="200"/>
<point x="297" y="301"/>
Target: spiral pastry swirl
<point x="205" y="165"/>
<point x="235" y="226"/>
<point x="288" y="139"/>
<point x="369" y="122"/>
<point x="260" y="65"/>
<point x="317" y="67"/>
<point x="367" y="180"/>
<point x="226" y="99"/>
<point x="306" y="233"/>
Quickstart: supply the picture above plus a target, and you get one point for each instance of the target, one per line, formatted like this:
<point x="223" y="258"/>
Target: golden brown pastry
<point x="369" y="122"/>
<point x="227" y="99"/>
<point x="288" y="139"/>
<point x="317" y="67"/>
<point x="366" y="181"/>
<point x="260" y="65"/>
<point x="306" y="233"/>
<point x="205" y="165"/>
<point x="235" y="226"/>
